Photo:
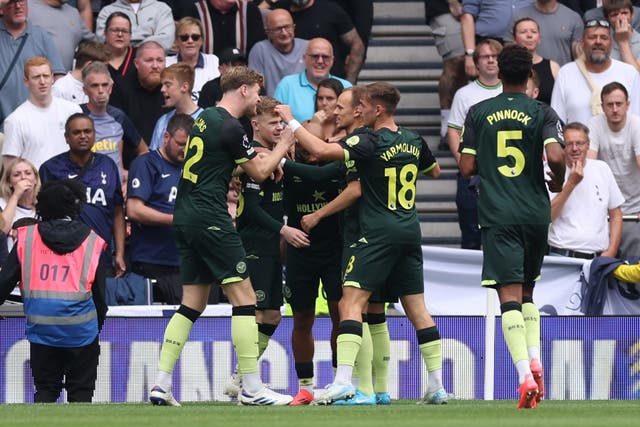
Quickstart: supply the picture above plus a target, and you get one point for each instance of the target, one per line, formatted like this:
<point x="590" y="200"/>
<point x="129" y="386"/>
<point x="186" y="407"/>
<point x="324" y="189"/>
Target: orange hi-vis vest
<point x="56" y="290"/>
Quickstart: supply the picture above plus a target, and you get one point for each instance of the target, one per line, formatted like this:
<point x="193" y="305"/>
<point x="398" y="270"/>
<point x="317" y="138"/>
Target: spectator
<point x="598" y="13"/>
<point x="626" y="40"/>
<point x="33" y="131"/>
<point x="561" y="29"/>
<point x="212" y="92"/>
<point x="177" y="85"/>
<point x="526" y="32"/>
<point x="444" y="19"/>
<point x="486" y="86"/>
<point x="19" y="41"/>
<point x="281" y="54"/>
<point x="151" y="20"/>
<point x="615" y="139"/>
<point x="103" y="211"/>
<point x="323" y="123"/>
<point x="189" y="42"/>
<point x="579" y="227"/>
<point x="227" y="23"/>
<point x="533" y="86"/>
<point x="64" y="314"/>
<point x="117" y="36"/>
<point x="361" y="14"/>
<point x="299" y="90"/>
<point x="151" y="196"/>
<point x="139" y="95"/>
<point x="484" y="19"/>
<point x="114" y="129"/>
<point x="63" y="23"/>
<point x="569" y="98"/>
<point x="18" y="191"/>
<point x="325" y="19"/>
<point x="70" y="87"/>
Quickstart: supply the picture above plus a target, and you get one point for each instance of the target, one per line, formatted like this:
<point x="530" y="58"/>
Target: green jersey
<point x="217" y="144"/>
<point x="388" y="163"/>
<point x="507" y="134"/>
<point x="307" y="189"/>
<point x="259" y="215"/>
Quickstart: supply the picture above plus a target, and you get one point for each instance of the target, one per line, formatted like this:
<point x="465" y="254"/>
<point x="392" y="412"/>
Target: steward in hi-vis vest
<point x="60" y="269"/>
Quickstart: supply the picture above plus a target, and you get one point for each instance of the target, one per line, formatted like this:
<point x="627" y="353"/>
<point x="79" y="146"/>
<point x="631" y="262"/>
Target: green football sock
<point x="244" y="335"/>
<point x="432" y="355"/>
<point x="381" y="355"/>
<point x="531" y="317"/>
<point x="175" y="336"/>
<point x="363" y="365"/>
<point x="265" y="330"/>
<point x="348" y="346"/>
<point x="513" y="329"/>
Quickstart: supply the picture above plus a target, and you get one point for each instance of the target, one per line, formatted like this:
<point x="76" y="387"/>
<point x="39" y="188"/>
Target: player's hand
<point x="553" y="184"/>
<point x="309" y="221"/>
<point x="278" y="174"/>
<point x="284" y="111"/>
<point x="296" y="238"/>
<point x="119" y="265"/>
<point x="287" y="137"/>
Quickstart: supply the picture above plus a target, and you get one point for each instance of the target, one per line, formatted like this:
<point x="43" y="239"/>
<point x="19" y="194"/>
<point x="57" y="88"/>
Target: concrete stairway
<point x="402" y="52"/>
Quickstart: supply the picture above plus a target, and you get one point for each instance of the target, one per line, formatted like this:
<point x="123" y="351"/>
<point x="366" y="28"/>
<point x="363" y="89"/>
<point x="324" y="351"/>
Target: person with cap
<point x="60" y="264"/>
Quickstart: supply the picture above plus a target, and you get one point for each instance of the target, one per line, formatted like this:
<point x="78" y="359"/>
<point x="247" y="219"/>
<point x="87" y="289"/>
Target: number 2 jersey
<point x="507" y="134"/>
<point x="217" y="144"/>
<point x="388" y="163"/>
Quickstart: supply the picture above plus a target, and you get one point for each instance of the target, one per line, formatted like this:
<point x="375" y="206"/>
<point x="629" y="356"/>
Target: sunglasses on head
<point x="185" y="37"/>
<point x="596" y="23"/>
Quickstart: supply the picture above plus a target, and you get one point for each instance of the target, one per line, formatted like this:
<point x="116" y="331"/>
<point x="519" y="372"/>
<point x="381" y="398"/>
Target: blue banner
<point x="583" y="357"/>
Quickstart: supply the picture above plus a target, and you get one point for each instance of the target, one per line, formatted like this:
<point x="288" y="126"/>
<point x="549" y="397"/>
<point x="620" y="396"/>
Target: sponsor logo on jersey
<point x="352" y="140"/>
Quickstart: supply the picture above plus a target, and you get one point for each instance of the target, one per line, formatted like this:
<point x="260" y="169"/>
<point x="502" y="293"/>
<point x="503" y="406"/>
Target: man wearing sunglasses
<point x="583" y="77"/>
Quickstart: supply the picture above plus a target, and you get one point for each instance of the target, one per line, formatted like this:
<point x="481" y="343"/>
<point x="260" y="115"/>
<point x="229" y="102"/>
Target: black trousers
<point x="77" y="365"/>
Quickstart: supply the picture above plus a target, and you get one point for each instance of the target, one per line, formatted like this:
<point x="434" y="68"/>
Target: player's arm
<point x="468" y="165"/>
<point x="261" y="167"/>
<point x="313" y="144"/>
<point x="346" y="198"/>
<point x="313" y="173"/>
<point x="138" y="211"/>
<point x="615" y="232"/>
<point x="428" y="163"/>
<point x="554" y="148"/>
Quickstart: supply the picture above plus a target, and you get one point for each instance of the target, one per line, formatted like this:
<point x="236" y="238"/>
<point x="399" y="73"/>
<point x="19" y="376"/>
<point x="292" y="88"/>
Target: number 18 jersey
<point x="388" y="165"/>
<point x="507" y="134"/>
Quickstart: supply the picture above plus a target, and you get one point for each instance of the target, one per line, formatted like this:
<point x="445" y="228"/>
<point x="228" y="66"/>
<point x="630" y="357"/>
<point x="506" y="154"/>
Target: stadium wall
<point x="584" y="358"/>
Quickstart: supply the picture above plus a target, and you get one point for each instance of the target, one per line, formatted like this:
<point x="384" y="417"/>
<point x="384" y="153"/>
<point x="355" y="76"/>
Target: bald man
<point x="299" y="90"/>
<point x="281" y="54"/>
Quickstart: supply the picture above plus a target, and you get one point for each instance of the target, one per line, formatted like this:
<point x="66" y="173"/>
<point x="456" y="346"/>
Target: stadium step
<point x="402" y="52"/>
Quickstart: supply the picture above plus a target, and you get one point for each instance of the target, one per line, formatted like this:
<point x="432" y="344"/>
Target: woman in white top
<point x="189" y="43"/>
<point x="18" y="190"/>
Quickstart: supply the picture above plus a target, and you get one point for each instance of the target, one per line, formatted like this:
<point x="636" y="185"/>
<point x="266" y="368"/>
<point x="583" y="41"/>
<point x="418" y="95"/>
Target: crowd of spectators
<point x="88" y="87"/>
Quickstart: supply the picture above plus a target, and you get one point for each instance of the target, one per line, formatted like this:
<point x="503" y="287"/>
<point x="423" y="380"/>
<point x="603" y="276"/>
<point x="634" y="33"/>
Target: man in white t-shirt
<point x="615" y="139"/>
<point x="486" y="86"/>
<point x="572" y="97"/>
<point x="579" y="226"/>
<point x="35" y="130"/>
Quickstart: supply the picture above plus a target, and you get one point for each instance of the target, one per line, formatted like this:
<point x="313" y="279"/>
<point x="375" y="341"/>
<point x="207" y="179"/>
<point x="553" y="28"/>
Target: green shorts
<point x="386" y="294"/>
<point x="373" y="266"/>
<point x="266" y="278"/>
<point x="305" y="269"/>
<point x="210" y="255"/>
<point x="513" y="254"/>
